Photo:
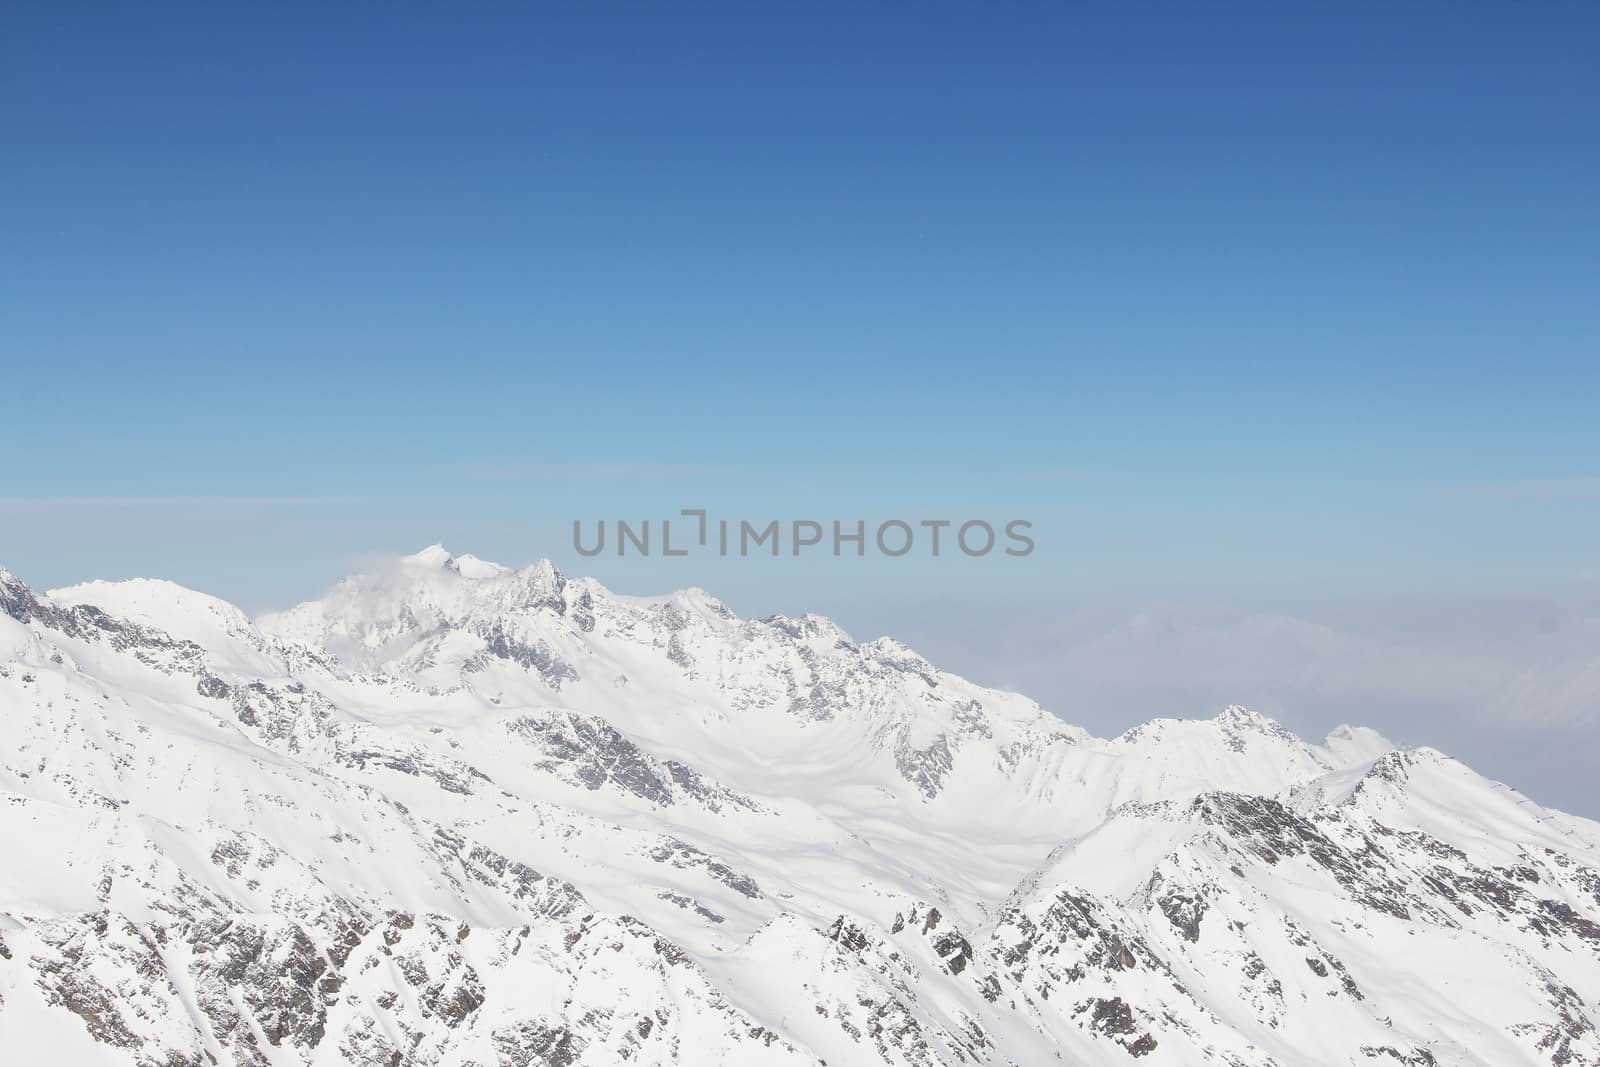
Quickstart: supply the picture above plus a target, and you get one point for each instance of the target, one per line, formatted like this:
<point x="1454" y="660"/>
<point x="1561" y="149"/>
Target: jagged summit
<point x="1237" y="716"/>
<point x="452" y="812"/>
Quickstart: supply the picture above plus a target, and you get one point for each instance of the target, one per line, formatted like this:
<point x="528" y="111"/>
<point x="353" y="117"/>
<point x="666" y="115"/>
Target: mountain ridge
<point x="695" y="824"/>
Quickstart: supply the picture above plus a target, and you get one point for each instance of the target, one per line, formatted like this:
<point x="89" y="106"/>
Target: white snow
<point x="519" y="816"/>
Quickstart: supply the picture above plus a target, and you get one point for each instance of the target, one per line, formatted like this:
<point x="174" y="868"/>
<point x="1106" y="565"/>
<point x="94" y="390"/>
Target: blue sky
<point x="1242" y="303"/>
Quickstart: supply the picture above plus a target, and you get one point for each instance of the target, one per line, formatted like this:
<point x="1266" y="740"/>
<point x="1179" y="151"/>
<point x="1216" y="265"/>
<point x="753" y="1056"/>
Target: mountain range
<point x="455" y="813"/>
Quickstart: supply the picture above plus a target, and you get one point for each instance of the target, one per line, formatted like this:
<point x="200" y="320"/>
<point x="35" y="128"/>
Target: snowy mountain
<point x="456" y="813"/>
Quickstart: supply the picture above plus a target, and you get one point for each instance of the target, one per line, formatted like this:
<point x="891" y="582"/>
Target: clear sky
<point x="1238" y="303"/>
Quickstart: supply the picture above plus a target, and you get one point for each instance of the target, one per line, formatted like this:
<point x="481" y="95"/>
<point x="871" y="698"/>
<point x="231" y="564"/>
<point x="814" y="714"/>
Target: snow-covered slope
<point x="456" y="813"/>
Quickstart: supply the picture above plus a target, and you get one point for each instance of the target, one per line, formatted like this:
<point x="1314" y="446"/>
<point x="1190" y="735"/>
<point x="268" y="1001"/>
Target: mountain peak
<point x="16" y="599"/>
<point x="469" y="566"/>
<point x="1239" y="717"/>
<point x="156" y="602"/>
<point x="1356" y="744"/>
<point x="808" y="626"/>
<point x="435" y="555"/>
<point x="8" y="580"/>
<point x="542" y="569"/>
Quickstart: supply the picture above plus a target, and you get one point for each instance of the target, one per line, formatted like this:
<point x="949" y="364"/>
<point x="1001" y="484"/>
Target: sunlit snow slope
<point x="457" y="813"/>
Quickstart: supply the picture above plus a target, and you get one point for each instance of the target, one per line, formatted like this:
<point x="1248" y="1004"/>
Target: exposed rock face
<point x="463" y="814"/>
